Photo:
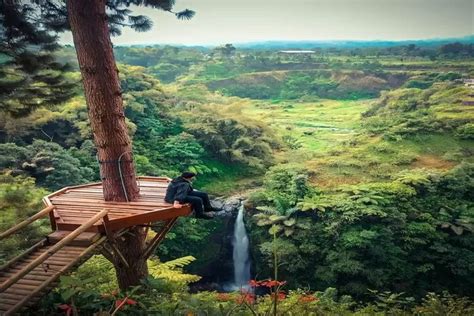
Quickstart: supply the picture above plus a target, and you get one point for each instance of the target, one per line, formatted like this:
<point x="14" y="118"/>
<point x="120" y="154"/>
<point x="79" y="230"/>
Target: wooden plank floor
<point x="74" y="205"/>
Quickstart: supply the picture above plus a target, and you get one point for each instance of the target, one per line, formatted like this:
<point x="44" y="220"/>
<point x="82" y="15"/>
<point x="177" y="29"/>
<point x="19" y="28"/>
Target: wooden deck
<point x="83" y="224"/>
<point x="74" y="205"/>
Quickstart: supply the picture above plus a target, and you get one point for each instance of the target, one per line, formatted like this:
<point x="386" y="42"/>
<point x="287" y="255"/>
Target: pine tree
<point x="30" y="77"/>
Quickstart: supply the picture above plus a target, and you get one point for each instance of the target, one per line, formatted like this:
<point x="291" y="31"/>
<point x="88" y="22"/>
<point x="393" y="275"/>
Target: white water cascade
<point x="241" y="252"/>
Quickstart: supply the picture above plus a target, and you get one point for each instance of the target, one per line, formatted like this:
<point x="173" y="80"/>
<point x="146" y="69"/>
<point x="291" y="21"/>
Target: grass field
<point x="328" y="138"/>
<point x="317" y="126"/>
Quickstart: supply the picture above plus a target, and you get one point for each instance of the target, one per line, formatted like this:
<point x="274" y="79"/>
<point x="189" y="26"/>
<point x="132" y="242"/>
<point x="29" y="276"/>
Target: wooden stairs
<point x="30" y="275"/>
<point x="29" y="288"/>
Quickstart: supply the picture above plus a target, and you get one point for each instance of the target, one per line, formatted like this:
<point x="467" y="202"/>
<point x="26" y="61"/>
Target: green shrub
<point x="466" y="131"/>
<point x="233" y="137"/>
<point x="19" y="199"/>
<point x="52" y="166"/>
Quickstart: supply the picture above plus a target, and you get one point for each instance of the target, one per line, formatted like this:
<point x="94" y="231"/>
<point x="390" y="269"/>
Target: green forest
<point x="355" y="165"/>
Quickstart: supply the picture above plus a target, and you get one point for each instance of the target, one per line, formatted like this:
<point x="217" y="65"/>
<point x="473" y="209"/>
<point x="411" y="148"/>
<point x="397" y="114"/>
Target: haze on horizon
<point x="225" y="21"/>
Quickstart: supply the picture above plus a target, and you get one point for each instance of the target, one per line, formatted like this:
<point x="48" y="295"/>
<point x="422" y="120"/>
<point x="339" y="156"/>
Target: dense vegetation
<point x="412" y="234"/>
<point x="357" y="162"/>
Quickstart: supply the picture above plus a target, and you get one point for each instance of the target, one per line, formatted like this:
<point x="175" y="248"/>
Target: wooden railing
<point x="51" y="251"/>
<point x="23" y="255"/>
<point x="26" y="222"/>
<point x="85" y="254"/>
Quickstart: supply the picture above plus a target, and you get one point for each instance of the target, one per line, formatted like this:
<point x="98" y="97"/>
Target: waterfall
<point x="241" y="252"/>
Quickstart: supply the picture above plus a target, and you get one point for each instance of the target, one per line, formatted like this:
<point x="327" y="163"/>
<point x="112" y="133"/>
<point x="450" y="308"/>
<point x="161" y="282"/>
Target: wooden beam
<point x="111" y="239"/>
<point x="119" y="254"/>
<point x="152" y="216"/>
<point x="52" y="220"/>
<point x="158" y="238"/>
<point x="26" y="222"/>
<point x="71" y="227"/>
<point x="108" y="232"/>
<point x="107" y="254"/>
<point x="155" y="179"/>
<point x="113" y="243"/>
<point x="51" y="251"/>
<point x="46" y="199"/>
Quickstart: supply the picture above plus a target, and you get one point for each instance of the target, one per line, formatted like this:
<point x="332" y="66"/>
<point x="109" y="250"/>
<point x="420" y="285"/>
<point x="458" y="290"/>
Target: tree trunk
<point x="90" y="31"/>
<point x="131" y="247"/>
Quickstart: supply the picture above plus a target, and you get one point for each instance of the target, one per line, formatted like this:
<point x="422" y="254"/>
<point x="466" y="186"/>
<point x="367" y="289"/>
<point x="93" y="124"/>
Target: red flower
<point x="224" y="297"/>
<point x="254" y="283"/>
<point x="281" y="296"/>
<point x="66" y="308"/>
<point x="127" y="301"/>
<point x="272" y="283"/>
<point x="248" y="298"/>
<point x="307" y="298"/>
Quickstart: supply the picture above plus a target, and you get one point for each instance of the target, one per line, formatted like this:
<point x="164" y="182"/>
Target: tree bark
<point x="90" y="31"/>
<point x="132" y="247"/>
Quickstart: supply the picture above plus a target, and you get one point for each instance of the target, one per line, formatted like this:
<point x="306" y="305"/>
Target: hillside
<point x="356" y="165"/>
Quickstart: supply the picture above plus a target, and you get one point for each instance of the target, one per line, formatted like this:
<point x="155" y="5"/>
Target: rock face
<point x="228" y="206"/>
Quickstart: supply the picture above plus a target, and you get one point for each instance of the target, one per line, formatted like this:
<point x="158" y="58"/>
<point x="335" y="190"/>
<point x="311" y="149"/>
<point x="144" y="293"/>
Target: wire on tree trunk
<point x="119" y="163"/>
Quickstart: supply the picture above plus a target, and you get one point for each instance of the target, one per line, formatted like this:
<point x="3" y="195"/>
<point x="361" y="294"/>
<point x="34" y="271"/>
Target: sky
<point x="225" y="21"/>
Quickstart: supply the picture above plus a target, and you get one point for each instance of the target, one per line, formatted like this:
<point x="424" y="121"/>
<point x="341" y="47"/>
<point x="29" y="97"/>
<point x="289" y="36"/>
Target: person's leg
<point x="196" y="203"/>
<point x="204" y="197"/>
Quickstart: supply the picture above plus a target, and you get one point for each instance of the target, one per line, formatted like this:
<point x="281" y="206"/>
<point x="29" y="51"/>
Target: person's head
<point x="188" y="175"/>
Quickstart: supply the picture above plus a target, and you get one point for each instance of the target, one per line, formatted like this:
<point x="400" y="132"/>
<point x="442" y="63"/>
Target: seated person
<point x="180" y="191"/>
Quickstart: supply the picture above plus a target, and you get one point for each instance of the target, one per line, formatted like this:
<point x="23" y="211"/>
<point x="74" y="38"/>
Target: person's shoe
<point x="204" y="216"/>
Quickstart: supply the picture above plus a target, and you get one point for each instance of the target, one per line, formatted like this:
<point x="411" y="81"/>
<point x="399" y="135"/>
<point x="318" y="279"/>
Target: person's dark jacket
<point x="178" y="190"/>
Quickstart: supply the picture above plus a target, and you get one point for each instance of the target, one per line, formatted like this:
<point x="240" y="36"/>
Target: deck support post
<point x="112" y="242"/>
<point x="107" y="254"/>
<point x="119" y="254"/>
<point x="158" y="238"/>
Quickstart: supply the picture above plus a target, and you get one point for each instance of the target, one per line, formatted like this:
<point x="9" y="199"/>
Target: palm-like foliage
<point x="173" y="270"/>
